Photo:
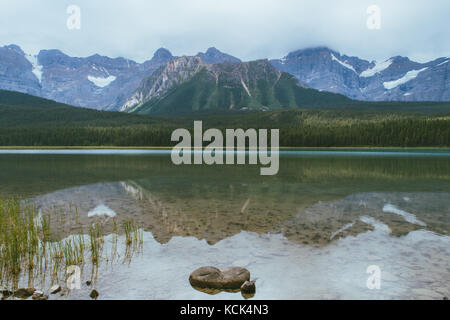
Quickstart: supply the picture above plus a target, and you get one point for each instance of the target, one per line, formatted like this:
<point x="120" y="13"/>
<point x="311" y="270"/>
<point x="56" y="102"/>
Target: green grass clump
<point x="20" y="232"/>
<point x="26" y="247"/>
<point x="96" y="242"/>
<point x="133" y="235"/>
<point x="133" y="238"/>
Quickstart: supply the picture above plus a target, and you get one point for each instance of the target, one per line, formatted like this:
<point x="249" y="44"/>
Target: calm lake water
<point x="309" y="232"/>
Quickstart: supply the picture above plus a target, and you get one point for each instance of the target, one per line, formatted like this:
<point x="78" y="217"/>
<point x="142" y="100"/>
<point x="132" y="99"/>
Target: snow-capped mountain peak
<point x="396" y="78"/>
<point x="101" y="82"/>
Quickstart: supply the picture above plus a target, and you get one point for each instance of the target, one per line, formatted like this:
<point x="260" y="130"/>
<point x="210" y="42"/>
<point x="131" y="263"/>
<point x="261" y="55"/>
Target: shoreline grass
<point x="26" y="248"/>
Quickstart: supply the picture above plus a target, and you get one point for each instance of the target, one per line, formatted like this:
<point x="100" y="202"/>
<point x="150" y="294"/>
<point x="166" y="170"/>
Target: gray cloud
<point x="248" y="29"/>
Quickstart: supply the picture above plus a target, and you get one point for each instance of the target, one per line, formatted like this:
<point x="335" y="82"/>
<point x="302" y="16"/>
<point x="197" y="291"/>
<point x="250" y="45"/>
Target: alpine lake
<point x="313" y="231"/>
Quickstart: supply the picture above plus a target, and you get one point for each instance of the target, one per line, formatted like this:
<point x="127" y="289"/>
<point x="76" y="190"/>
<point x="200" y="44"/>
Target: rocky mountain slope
<point x="105" y="83"/>
<point x="396" y="79"/>
<point x="16" y="71"/>
<point x="212" y="55"/>
<point x="188" y="84"/>
<point x="96" y="82"/>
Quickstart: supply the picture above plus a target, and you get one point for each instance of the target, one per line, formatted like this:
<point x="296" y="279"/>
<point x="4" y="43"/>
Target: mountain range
<point x="396" y="79"/>
<point x="96" y="82"/>
<point x="188" y="84"/>
<point x="217" y="80"/>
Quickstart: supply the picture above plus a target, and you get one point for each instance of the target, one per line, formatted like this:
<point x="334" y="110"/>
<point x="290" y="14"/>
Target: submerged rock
<point x="24" y="293"/>
<point x="94" y="294"/>
<point x="39" y="295"/>
<point x="214" y="278"/>
<point x="6" y="293"/>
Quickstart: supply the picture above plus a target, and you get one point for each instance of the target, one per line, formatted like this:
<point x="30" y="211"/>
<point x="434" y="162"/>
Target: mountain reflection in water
<point x="320" y="209"/>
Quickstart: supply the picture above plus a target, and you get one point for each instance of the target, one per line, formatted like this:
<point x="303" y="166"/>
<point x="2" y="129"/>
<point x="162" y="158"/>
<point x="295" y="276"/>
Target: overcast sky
<point x="248" y="29"/>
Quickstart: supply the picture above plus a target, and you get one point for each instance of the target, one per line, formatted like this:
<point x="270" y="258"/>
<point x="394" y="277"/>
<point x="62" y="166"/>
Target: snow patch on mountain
<point x="37" y="69"/>
<point x="343" y="63"/>
<point x="440" y="64"/>
<point x="379" y="67"/>
<point x="245" y="87"/>
<point x="101" y="82"/>
<point x="410" y="75"/>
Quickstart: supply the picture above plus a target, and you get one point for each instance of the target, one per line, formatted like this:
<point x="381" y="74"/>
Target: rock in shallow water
<point x="214" y="278"/>
<point x="39" y="295"/>
<point x="6" y="293"/>
<point x="24" y="293"/>
<point x="248" y="287"/>
<point x="94" y="294"/>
